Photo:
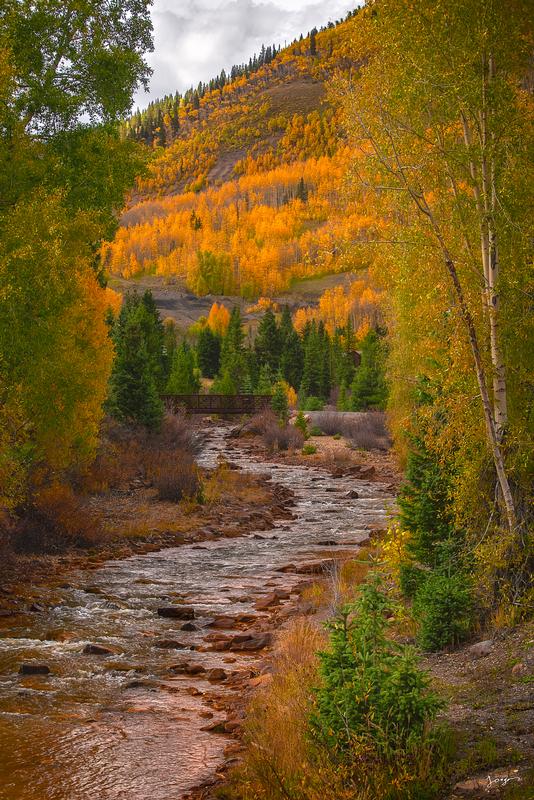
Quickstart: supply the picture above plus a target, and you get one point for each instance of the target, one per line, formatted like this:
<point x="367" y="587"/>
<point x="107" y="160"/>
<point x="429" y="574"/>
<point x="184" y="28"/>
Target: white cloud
<point x="195" y="39"/>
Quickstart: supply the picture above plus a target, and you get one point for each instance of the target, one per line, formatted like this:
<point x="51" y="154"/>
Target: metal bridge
<point x="216" y="403"/>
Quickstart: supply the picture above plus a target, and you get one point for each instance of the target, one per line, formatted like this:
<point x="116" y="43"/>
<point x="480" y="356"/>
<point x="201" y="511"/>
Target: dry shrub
<point x="366" y="430"/>
<point x="127" y="454"/>
<point x="175" y="475"/>
<point x="176" y="434"/>
<point x="287" y="437"/>
<point x="260" y="422"/>
<point x="276" y="725"/>
<point x="56" y="520"/>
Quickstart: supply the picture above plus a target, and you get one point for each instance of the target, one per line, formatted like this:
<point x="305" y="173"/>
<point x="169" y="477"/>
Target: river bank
<point x="159" y="693"/>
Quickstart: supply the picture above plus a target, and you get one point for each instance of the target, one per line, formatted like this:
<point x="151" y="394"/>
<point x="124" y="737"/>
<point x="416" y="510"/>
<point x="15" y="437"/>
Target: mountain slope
<point x="246" y="199"/>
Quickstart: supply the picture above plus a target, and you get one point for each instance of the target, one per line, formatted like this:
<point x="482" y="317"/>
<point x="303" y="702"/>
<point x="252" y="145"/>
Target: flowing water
<point x="124" y="727"/>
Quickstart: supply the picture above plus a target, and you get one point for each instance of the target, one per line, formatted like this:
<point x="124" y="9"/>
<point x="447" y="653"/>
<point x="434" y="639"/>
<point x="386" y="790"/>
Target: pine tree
<point x="233" y="357"/>
<point x="343" y="403"/>
<point x="311" y="376"/>
<point x="169" y="347"/>
<point x="224" y="384"/>
<point x="133" y="396"/>
<point x="183" y="378"/>
<point x="313" y="42"/>
<point x="146" y="313"/>
<point x="265" y="380"/>
<point x="369" y="388"/>
<point x="267" y="342"/>
<point x="291" y="356"/>
<point x="279" y="403"/>
<point x="209" y="352"/>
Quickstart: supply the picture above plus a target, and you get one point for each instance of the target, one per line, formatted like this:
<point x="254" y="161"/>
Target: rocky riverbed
<point x="126" y="686"/>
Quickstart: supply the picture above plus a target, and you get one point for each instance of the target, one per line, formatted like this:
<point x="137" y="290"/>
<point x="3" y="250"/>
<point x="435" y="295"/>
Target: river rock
<point x="481" y="649"/>
<point x="287" y="568"/>
<point x="215" y="727"/>
<point x="170" y="644"/>
<point x="188" y="668"/>
<point x="255" y="641"/>
<point x="189" y="626"/>
<point x="352" y="495"/>
<point x="97" y="650"/>
<point x="34" y="669"/>
<point x="228" y="621"/>
<point x="267" y="601"/>
<point x="177" y="612"/>
<point x="216" y="675"/>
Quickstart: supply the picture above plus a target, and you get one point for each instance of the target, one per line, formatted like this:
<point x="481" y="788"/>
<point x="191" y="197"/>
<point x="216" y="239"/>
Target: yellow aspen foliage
<point x="56" y="352"/>
<point x="218" y="319"/>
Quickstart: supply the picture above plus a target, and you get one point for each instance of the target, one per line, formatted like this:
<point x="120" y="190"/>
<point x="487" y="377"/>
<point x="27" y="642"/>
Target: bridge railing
<point x="216" y="403"/>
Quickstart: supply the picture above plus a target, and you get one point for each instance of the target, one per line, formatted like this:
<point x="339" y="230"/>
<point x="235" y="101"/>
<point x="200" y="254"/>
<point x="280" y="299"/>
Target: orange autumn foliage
<point x="218" y="319"/>
<point x="248" y="197"/>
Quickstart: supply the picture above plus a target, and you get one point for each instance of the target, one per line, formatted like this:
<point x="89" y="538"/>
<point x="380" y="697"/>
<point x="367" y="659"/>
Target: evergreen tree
<point x="313" y="42"/>
<point x="133" y="396"/>
<point x="183" y="378"/>
<point x="369" y="388"/>
<point x="146" y="313"/>
<point x="325" y="367"/>
<point x="265" y="380"/>
<point x="279" y="403"/>
<point x="311" y="375"/>
<point x="343" y="403"/>
<point x="267" y="342"/>
<point x="291" y="355"/>
<point x="169" y="347"/>
<point x="209" y="352"/>
<point x="224" y="384"/>
<point x="233" y="357"/>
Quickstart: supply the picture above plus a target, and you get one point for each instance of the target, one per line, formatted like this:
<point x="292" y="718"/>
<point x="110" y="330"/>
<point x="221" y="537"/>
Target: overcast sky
<point x="195" y="39"/>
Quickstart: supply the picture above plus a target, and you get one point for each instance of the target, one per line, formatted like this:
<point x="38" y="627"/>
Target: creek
<point x="126" y="726"/>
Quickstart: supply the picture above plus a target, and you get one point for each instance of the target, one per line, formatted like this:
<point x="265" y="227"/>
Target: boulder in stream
<point x="189" y="626"/>
<point x="170" y="644"/>
<point x="177" y="612"/>
<point x="34" y="669"/>
<point x="97" y="650"/>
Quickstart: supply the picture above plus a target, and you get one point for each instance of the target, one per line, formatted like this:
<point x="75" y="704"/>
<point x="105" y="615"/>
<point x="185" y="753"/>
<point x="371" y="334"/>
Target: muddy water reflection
<point x="124" y="727"/>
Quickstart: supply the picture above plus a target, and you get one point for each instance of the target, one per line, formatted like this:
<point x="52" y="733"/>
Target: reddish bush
<point x="126" y="453"/>
<point x="56" y="520"/>
<point x="366" y="430"/>
<point x="175" y="476"/>
<point x="287" y="437"/>
<point x="176" y="434"/>
<point x="260" y="422"/>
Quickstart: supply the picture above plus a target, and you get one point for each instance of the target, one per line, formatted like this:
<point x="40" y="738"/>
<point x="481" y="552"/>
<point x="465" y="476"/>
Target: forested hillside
<point x="245" y="197"/>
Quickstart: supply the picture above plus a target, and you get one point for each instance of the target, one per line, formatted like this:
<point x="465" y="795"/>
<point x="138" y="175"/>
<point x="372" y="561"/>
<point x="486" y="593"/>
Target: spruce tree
<point x="265" y="380"/>
<point x="291" y="355"/>
<point x="311" y="376"/>
<point x="224" y="383"/>
<point x="133" y="396"/>
<point x="209" y="352"/>
<point x="369" y="388"/>
<point x="183" y="378"/>
<point x="267" y="342"/>
<point x="146" y="313"/>
<point x="279" y="403"/>
<point x="233" y="357"/>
